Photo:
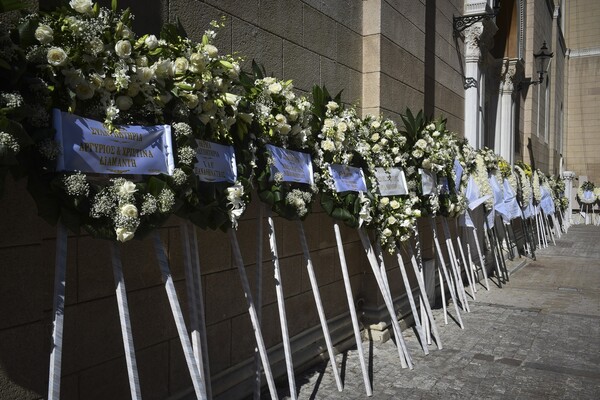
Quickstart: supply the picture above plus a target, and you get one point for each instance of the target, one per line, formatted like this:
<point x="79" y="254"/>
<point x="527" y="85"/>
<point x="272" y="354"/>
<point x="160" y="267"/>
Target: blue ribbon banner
<point x="348" y="178"/>
<point x="428" y="181"/>
<point x="392" y="182"/>
<point x="295" y="166"/>
<point x="87" y="146"/>
<point x="216" y="162"/>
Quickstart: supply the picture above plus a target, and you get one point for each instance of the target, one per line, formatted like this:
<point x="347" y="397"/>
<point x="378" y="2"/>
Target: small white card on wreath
<point x="428" y="181"/>
<point x="392" y="182"/>
<point x="216" y="162"/>
<point x="347" y="178"/>
<point x="87" y="146"/>
<point x="295" y="166"/>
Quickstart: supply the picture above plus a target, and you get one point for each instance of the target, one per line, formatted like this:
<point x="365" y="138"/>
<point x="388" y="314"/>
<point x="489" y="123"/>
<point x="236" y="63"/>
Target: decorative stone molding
<point x="509" y="75"/>
<point x="475" y="6"/>
<point x="472" y="39"/>
<point x="589" y="52"/>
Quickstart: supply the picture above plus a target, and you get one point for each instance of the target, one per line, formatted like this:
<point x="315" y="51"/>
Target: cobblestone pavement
<point x="536" y="338"/>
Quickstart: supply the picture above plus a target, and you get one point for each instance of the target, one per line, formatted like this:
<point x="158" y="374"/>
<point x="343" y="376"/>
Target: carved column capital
<point x="472" y="38"/>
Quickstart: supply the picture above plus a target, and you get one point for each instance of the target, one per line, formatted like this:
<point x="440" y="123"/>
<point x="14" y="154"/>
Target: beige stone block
<point x="275" y="16"/>
<point x="371" y="100"/>
<point x="151" y="317"/>
<point x="196" y="17"/>
<point x="150" y="16"/>
<point x="347" y="12"/>
<point x="330" y="78"/>
<point x="300" y="65"/>
<point x="400" y="64"/>
<point x="257" y="44"/>
<point x="179" y="375"/>
<point x="325" y="262"/>
<point x="242" y="340"/>
<point x="215" y="251"/>
<point x="401" y="31"/>
<point x="224" y="296"/>
<point x="371" y="23"/>
<point x="334" y="299"/>
<point x="412" y="10"/>
<point x="154" y="375"/>
<point x="219" y="345"/>
<point x="48" y="263"/>
<point x="349" y="49"/>
<point x="23" y="285"/>
<point x="19" y="221"/>
<point x="246" y="10"/>
<point x="301" y="313"/>
<point x="371" y="57"/>
<point x="319" y="32"/>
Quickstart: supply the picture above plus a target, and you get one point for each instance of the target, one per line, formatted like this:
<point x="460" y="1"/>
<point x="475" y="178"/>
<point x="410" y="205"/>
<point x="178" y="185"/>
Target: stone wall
<point x="312" y="42"/>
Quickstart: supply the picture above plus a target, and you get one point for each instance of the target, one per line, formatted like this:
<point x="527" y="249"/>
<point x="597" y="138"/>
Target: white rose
<point x="384" y="201"/>
<point x="124" y="235"/>
<point x="388" y="133"/>
<point x="44" y="34"/>
<point x="145" y="74"/>
<point x="127" y="188"/>
<point x="180" y="65"/>
<point x="435" y="134"/>
<point x="84" y="91"/>
<point x="151" y="42"/>
<point x="191" y="100"/>
<point x="387" y="232"/>
<point x="197" y="63"/>
<point x="211" y="50"/>
<point x="126" y="33"/>
<point x="417" y="153"/>
<point x="376" y="148"/>
<point x="417" y="213"/>
<point x="57" y="56"/>
<point x="163" y="68"/>
<point x="332" y="106"/>
<point x="328" y="145"/>
<point x="375" y="137"/>
<point x="422" y="144"/>
<point x="284" y="129"/>
<point x="129" y="210"/>
<point x="328" y="123"/>
<point x="342" y="127"/>
<point x="275" y="87"/>
<point x="82" y="6"/>
<point x="123" y="48"/>
<point x="394" y="204"/>
<point x="124" y="103"/>
<point x="280" y="118"/>
<point x="133" y="89"/>
<point x="109" y="84"/>
<point x="391" y="220"/>
<point x="375" y="124"/>
<point x="231" y="99"/>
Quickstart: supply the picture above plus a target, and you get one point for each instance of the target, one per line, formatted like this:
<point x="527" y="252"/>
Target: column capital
<point x="473" y="36"/>
<point x="569" y="175"/>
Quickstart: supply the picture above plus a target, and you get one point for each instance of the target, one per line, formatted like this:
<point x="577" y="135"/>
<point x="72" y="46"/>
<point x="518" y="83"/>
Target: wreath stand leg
<point x="489" y="238"/>
<point x="59" y="313"/>
<point x="121" y="292"/>
<point x="468" y="269"/>
<point x="253" y="314"/>
<point x="471" y="269"/>
<point x="426" y="313"/>
<point x="315" y="289"/>
<point x="368" y="248"/>
<point x="445" y="271"/>
<point x="197" y="379"/>
<point x="411" y="300"/>
<point x="196" y="302"/>
<point x="281" y="307"/>
<point x="352" y="308"/>
<point x="456" y="270"/>
<point x="258" y="298"/>
<point x="478" y="247"/>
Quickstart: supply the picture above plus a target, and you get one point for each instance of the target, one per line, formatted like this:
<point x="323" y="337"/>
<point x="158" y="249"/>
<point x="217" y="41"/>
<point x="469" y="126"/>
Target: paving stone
<point x="528" y="340"/>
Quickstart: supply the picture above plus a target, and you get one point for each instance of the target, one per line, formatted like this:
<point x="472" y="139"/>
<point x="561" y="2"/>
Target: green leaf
<point x="113" y="5"/>
<point x="155" y="186"/>
<point x="327" y="203"/>
<point x="226" y="64"/>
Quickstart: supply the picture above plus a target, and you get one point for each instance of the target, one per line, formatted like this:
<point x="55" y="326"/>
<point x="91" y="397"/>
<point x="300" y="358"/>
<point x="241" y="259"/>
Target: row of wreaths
<point x="87" y="60"/>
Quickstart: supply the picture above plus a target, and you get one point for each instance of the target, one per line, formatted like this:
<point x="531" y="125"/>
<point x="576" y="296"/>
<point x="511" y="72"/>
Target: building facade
<point x="386" y="55"/>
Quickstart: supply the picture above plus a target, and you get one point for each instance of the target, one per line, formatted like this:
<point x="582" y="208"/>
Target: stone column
<point x="569" y="176"/>
<point x="506" y="133"/>
<point x="471" y="83"/>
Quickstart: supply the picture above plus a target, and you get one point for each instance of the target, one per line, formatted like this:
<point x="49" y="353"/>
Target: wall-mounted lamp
<point x="462" y="23"/>
<point x="542" y="60"/>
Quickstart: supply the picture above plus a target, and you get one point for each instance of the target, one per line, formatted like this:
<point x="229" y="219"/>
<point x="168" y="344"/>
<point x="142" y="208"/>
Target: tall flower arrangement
<point x="283" y="119"/>
<point x="338" y="128"/>
<point x="524" y="190"/>
<point x="382" y="146"/>
<point x="536" y="186"/>
<point x="586" y="193"/>
<point x="481" y="179"/>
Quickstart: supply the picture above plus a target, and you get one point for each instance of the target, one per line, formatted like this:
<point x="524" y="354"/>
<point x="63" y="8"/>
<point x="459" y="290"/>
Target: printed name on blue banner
<point x="392" y="182"/>
<point x="348" y="178"/>
<point x="295" y="166"/>
<point x="87" y="146"/>
<point x="216" y="162"/>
